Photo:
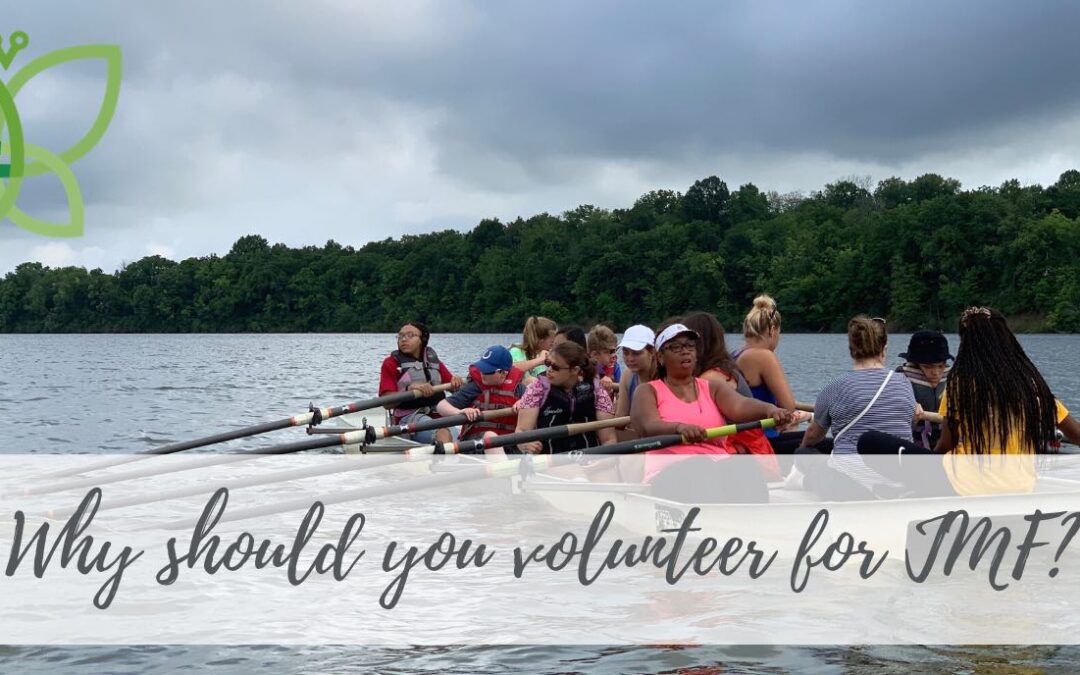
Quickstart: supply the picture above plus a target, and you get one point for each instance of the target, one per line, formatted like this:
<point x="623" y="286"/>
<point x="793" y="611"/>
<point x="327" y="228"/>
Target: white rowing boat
<point x="887" y="522"/>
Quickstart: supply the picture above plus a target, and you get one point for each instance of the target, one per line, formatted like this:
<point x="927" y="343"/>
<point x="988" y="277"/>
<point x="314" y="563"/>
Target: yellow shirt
<point x="1011" y="470"/>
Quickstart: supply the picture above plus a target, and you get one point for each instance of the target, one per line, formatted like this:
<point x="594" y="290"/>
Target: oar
<point x="346" y="438"/>
<point x="294" y="421"/>
<point x="506" y="468"/>
<point x="404" y="454"/>
<point x="547" y="433"/>
<point x="931" y="417"/>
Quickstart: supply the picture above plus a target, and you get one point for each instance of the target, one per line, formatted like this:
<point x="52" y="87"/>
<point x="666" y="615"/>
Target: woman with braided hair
<point x="996" y="404"/>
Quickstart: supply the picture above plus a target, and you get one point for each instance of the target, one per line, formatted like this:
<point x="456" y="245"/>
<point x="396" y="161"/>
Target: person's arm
<point x="739" y="408"/>
<point x="526" y="421"/>
<point x="1071" y="428"/>
<point x="622" y="402"/>
<point x="606" y="435"/>
<point x="456" y="381"/>
<point x="461" y="402"/>
<point x="772" y="375"/>
<point x="528" y="364"/>
<point x="815" y="434"/>
<point x="947" y="440"/>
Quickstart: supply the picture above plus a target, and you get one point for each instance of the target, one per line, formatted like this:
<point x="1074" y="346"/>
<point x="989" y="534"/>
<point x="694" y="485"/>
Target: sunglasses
<point x="556" y="368"/>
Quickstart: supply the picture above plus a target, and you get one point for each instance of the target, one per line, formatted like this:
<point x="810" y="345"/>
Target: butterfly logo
<point x="20" y="160"/>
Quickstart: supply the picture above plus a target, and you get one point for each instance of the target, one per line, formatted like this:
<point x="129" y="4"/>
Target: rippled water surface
<point x="125" y="393"/>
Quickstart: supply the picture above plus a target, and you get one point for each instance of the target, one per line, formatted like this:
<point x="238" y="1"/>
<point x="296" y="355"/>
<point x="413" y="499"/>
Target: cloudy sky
<point x="354" y="121"/>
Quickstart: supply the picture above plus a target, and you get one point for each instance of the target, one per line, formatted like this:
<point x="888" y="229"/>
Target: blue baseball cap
<point x="495" y="358"/>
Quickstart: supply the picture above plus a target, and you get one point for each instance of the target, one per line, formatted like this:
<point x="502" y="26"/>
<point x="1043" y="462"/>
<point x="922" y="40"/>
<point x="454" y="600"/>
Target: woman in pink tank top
<point x="679" y="403"/>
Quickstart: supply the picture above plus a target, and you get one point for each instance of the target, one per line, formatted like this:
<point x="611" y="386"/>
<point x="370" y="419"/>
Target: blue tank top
<point x="762" y="393"/>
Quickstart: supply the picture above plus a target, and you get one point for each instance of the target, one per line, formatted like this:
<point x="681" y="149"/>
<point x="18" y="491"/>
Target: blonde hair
<point x="866" y="337"/>
<point x="537" y="329"/>
<point x="761" y="318"/>
<point x="601" y="337"/>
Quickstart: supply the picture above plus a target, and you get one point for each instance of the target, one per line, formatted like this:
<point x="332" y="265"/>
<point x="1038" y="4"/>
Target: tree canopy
<point x="915" y="251"/>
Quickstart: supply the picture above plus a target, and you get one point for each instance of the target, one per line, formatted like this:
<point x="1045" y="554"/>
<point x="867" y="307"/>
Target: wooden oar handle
<point x="585" y="427"/>
<point x="931" y="417"/>
<point x="495" y="414"/>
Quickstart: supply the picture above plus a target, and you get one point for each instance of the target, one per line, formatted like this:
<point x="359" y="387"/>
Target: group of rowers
<point x="682" y="379"/>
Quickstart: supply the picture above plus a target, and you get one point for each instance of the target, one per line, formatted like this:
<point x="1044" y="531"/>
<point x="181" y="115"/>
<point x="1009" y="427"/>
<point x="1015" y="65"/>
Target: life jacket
<point x="414" y="371"/>
<point x="930" y="400"/>
<point x="560" y="407"/>
<point x="494" y="397"/>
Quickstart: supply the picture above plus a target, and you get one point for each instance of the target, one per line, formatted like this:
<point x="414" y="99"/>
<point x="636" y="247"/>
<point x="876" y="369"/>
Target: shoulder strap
<point x="888" y="376"/>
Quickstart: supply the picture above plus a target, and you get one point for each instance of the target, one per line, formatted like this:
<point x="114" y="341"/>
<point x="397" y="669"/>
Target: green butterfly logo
<point x="25" y="160"/>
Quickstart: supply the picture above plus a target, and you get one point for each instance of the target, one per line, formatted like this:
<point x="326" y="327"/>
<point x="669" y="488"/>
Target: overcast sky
<point x="355" y="121"/>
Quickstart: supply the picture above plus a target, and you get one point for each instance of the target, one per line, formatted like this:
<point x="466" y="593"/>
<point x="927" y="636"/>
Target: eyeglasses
<point x="555" y="368"/>
<point x="407" y="336"/>
<point x="674" y="347"/>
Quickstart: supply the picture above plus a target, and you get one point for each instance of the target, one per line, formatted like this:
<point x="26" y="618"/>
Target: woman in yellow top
<point x="997" y="403"/>
<point x="999" y="413"/>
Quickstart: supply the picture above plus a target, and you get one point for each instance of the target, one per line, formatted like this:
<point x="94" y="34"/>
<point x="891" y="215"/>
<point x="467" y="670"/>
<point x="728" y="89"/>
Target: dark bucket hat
<point x="927" y="346"/>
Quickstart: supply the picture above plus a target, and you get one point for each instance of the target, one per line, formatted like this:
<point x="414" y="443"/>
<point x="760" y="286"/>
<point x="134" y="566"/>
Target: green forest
<point x="916" y="252"/>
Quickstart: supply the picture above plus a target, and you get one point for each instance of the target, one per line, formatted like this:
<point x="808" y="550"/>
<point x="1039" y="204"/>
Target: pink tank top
<point x="702" y="412"/>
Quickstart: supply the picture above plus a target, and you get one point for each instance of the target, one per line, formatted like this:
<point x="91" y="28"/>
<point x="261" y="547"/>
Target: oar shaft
<point x="505" y="468"/>
<point x="438" y="423"/>
<point x="927" y="415"/>
<point x="532" y="435"/>
<point x="294" y="421"/>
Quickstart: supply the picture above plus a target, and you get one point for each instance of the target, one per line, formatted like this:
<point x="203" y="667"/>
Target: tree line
<point x="917" y="252"/>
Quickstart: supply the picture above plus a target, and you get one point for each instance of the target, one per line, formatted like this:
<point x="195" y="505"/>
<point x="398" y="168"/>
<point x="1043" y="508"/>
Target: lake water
<point x="126" y="393"/>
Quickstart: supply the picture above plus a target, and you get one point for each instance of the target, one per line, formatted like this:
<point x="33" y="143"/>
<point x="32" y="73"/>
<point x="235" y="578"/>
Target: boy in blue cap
<point x="493" y="383"/>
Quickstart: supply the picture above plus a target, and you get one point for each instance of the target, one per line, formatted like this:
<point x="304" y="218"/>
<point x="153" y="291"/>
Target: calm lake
<point x="127" y="393"/>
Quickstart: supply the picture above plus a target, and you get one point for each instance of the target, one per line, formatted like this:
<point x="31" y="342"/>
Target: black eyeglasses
<point x="687" y="346"/>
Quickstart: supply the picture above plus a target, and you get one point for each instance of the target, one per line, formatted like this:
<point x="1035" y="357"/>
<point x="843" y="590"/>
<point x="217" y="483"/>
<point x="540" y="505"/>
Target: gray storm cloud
<point x="357" y="121"/>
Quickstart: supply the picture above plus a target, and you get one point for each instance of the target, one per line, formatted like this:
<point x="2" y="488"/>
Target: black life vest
<point x="561" y="407"/>
<point x="412" y="371"/>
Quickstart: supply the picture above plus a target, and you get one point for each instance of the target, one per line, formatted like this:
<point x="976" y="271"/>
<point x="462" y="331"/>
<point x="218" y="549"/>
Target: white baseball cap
<point x="671" y="331"/>
<point x="637" y="337"/>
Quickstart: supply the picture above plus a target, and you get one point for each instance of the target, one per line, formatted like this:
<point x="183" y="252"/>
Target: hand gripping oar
<point x="313" y="416"/>
<point x="499" y="469"/>
<point x="360" y="436"/>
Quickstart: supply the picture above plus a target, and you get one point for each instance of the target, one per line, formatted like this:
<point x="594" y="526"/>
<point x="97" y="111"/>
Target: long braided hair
<point x="994" y="391"/>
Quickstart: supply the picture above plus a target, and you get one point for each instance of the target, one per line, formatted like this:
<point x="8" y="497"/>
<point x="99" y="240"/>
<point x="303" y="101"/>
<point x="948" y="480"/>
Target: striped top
<point x="845" y="397"/>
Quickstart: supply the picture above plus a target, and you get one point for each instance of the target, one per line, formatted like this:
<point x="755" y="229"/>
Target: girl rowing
<point x="570" y="394"/>
<point x="415" y="366"/>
